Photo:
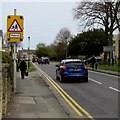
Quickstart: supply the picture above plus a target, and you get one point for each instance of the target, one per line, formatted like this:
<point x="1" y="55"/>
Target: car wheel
<point x="61" y="79"/>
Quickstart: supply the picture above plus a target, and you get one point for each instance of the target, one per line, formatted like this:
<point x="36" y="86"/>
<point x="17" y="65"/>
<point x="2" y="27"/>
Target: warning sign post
<point x="15" y="28"/>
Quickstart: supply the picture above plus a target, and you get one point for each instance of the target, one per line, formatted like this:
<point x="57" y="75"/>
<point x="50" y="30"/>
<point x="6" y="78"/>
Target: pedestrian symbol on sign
<point x="15" y="27"/>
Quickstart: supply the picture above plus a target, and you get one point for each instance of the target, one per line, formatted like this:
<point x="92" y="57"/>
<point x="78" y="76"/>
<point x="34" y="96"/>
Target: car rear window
<point x="74" y="63"/>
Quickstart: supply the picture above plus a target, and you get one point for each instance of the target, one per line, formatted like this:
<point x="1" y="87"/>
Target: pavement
<point x="34" y="99"/>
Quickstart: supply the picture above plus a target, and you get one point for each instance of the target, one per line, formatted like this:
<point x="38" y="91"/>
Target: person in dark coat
<point x="23" y="68"/>
<point x="18" y="63"/>
<point x="96" y="64"/>
<point x="93" y="61"/>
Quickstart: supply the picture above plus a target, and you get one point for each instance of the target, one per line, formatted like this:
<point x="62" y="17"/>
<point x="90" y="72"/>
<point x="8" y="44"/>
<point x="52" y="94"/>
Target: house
<point x="1" y="39"/>
<point x="25" y="53"/>
<point x="1" y="75"/>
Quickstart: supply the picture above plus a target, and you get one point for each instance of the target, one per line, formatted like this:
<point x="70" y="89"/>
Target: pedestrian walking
<point x="18" y="64"/>
<point x="23" y="68"/>
<point x="96" y="64"/>
<point x="93" y="60"/>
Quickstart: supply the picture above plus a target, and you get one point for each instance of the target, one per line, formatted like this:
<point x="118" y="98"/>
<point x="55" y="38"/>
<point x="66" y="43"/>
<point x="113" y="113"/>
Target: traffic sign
<point x="108" y="48"/>
<point x="15" y="28"/>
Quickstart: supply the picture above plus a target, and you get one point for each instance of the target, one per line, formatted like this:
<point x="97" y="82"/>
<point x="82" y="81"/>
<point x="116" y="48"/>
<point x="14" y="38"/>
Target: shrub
<point x="6" y="58"/>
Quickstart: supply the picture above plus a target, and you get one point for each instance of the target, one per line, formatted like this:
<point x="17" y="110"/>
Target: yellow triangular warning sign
<point x="15" y="27"/>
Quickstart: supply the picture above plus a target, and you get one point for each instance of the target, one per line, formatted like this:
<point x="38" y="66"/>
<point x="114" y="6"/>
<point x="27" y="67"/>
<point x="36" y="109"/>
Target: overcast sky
<point x="42" y="20"/>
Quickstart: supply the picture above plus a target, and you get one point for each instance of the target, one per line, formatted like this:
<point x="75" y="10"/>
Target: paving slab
<point x="33" y="99"/>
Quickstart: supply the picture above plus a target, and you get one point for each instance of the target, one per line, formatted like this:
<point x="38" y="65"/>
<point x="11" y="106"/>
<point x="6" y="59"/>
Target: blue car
<point x="71" y="69"/>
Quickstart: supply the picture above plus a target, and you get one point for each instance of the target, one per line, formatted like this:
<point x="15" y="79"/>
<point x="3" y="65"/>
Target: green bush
<point x="6" y="58"/>
<point x="8" y="64"/>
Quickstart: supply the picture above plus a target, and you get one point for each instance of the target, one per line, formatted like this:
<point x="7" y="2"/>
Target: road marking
<point x="95" y="81"/>
<point x="105" y="74"/>
<point x="83" y="110"/>
<point x="114" y="89"/>
<point x="76" y="107"/>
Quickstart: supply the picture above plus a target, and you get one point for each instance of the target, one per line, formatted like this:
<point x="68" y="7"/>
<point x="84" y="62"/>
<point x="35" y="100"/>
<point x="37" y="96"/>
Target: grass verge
<point x="31" y="68"/>
<point x="111" y="68"/>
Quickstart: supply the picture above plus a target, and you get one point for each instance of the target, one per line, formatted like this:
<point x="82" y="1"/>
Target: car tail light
<point x="63" y="67"/>
<point x="85" y="67"/>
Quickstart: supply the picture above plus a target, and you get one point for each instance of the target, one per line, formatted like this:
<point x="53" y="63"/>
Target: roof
<point x="70" y="60"/>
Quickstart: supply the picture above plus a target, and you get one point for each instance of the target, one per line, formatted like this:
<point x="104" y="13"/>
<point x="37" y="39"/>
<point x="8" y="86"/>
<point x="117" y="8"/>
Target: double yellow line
<point x="82" y="113"/>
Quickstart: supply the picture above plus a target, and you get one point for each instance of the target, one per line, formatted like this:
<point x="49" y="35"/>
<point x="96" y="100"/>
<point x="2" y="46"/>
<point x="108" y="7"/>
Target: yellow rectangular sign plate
<point x="15" y="28"/>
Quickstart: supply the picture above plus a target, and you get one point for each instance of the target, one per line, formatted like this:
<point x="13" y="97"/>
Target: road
<point x="99" y="96"/>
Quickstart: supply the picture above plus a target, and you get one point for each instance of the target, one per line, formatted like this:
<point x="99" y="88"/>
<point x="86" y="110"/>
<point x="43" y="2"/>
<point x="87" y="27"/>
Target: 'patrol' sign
<point x="15" y="28"/>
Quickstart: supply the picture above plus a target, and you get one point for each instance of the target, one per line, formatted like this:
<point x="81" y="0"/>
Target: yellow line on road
<point x="83" y="110"/>
<point x="66" y="99"/>
<point x="75" y="103"/>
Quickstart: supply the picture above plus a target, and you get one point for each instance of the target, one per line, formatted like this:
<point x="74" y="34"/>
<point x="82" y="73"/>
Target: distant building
<point x="1" y="39"/>
<point x="3" y="47"/>
<point x="25" y="53"/>
<point x="1" y="74"/>
<point x="116" y="42"/>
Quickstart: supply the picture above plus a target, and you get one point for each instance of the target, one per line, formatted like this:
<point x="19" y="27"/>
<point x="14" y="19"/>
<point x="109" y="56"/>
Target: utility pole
<point x="66" y="51"/>
<point x="67" y="43"/>
<point x="14" y="58"/>
<point x="119" y="49"/>
<point x="14" y="35"/>
<point x="29" y="52"/>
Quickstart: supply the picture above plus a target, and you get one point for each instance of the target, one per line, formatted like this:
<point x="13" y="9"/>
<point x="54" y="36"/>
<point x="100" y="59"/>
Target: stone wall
<point x="0" y="90"/>
<point x="6" y="88"/>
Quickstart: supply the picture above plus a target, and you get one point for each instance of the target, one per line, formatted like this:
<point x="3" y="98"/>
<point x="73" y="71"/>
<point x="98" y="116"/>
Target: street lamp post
<point x="29" y="52"/>
<point x="66" y="51"/>
<point x="67" y="43"/>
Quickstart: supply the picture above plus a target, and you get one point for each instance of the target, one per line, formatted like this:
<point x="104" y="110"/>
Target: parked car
<point x="44" y="60"/>
<point x="71" y="69"/>
<point x="35" y="59"/>
<point x="40" y="60"/>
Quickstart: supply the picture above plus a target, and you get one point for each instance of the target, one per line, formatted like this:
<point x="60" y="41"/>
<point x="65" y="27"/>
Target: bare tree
<point x="61" y="41"/>
<point x="63" y="36"/>
<point x="103" y="13"/>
